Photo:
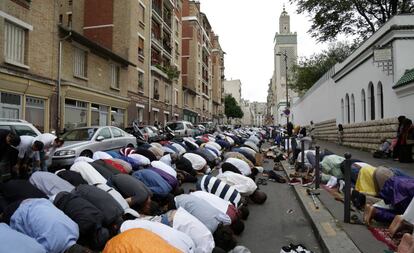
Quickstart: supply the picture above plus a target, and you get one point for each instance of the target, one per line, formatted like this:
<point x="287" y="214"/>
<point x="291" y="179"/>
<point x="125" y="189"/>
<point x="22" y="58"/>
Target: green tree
<point x="231" y="108"/>
<point x="350" y="17"/>
<point x="311" y="69"/>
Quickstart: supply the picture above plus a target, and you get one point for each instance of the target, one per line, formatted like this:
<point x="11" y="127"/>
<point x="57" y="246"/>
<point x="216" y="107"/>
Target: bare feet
<point x="396" y="224"/>
<point x="406" y="244"/>
<point x="368" y="214"/>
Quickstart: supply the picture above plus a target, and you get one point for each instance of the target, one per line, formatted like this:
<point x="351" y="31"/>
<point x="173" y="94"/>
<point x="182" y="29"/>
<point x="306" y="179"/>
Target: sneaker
<point x="295" y="181"/>
<point x="287" y="249"/>
<point x="306" y="181"/>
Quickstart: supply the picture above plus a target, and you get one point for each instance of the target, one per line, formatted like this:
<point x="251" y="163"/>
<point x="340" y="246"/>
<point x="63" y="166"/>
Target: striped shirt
<point x="217" y="187"/>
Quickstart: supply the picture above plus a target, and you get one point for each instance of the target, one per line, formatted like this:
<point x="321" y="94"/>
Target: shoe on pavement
<point x="306" y="181"/>
<point x="295" y="181"/>
<point x="287" y="249"/>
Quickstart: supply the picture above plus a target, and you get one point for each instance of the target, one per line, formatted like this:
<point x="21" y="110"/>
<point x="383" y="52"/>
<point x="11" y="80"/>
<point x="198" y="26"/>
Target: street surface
<point x="278" y="222"/>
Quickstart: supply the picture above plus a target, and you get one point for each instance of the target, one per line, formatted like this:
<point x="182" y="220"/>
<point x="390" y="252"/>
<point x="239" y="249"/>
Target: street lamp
<point x="287" y="93"/>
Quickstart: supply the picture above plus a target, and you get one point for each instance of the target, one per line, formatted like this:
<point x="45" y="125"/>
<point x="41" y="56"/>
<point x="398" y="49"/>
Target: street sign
<point x="286" y="112"/>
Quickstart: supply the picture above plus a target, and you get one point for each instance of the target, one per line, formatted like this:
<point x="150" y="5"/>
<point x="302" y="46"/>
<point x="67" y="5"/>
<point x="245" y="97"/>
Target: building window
<point x="166" y="118"/>
<point x="70" y="20"/>
<point x="347" y="109"/>
<point x="156" y="90"/>
<point x="141" y="15"/>
<point x="14" y="44"/>
<point x="76" y="113"/>
<point x="60" y="19"/>
<point x="371" y="101"/>
<point x="177" y="51"/>
<point x="35" y="112"/>
<point x="185" y="98"/>
<point x="117" y="117"/>
<point x="380" y="101"/>
<point x="177" y="28"/>
<point x="353" y="108"/>
<point x="155" y="117"/>
<point x="176" y="97"/>
<point x="140" y="114"/>
<point x="342" y="111"/>
<point x="115" y="76"/>
<point x="141" y="48"/>
<point x="363" y="105"/>
<point x="99" y="115"/>
<point x="167" y="94"/>
<point x="140" y="80"/>
<point x="80" y="63"/>
<point x="10" y="106"/>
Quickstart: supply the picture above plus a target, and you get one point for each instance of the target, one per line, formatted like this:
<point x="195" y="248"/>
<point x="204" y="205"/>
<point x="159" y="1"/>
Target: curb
<point x="333" y="238"/>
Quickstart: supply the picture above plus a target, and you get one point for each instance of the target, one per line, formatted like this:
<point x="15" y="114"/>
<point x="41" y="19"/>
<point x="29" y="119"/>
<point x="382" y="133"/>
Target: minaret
<point x="285" y="42"/>
<point x="284" y="22"/>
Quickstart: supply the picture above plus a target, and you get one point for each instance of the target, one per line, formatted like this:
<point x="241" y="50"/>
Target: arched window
<point x="371" y="101"/>
<point x="363" y="106"/>
<point x="347" y="109"/>
<point x="342" y="111"/>
<point x="353" y="108"/>
<point x="380" y="101"/>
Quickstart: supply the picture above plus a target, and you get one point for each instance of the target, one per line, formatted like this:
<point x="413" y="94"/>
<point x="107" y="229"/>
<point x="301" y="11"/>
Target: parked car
<point x="210" y="127"/>
<point x="181" y="128"/>
<point x="20" y="127"/>
<point x="85" y="141"/>
<point x="151" y="132"/>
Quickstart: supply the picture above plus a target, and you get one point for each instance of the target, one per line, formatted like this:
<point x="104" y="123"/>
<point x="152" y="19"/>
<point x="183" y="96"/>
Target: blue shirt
<point x="13" y="241"/>
<point x="154" y="182"/>
<point x="41" y="220"/>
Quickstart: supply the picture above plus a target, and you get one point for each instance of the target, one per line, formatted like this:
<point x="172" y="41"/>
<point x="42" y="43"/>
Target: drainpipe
<point x="59" y="81"/>
<point x="149" y="67"/>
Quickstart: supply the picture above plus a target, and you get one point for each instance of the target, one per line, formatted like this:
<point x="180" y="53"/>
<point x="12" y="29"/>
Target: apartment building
<point x="28" y="68"/>
<point x="165" y="83"/>
<point x="197" y="46"/>
<point x="217" y="60"/>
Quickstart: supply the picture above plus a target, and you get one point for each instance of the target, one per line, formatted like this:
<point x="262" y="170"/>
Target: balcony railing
<point x="156" y="5"/>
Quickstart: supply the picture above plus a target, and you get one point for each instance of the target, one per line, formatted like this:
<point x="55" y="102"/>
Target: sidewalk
<point x="327" y="220"/>
<point x="366" y="157"/>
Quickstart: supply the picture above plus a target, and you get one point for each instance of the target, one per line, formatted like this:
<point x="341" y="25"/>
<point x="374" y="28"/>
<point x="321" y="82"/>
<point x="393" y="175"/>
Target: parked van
<point x="181" y="128"/>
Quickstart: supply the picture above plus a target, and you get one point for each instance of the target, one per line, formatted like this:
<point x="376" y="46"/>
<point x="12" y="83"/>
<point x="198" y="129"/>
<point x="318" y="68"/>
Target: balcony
<point x="156" y="7"/>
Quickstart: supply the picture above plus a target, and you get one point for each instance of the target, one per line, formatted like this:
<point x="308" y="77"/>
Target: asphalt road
<point x="278" y="222"/>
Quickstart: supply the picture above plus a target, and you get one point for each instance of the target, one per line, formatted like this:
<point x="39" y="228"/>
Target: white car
<point x="86" y="140"/>
<point x="20" y="127"/>
<point x="182" y="128"/>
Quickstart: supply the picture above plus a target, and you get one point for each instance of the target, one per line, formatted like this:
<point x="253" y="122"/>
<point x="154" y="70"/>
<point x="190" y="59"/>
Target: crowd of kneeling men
<point x="133" y="200"/>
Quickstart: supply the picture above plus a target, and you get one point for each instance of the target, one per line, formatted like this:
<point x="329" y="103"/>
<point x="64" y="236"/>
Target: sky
<point x="247" y="29"/>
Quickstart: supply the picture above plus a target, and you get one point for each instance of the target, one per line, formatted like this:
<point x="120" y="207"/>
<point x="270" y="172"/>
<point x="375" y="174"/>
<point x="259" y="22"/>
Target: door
<point x="106" y="143"/>
<point x="119" y="140"/>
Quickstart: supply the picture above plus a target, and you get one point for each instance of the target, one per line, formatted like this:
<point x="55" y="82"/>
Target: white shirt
<point x="47" y="139"/>
<point x="174" y="237"/>
<point x="88" y="173"/>
<point x="25" y="148"/>
<point x="251" y="145"/>
<point x="164" y="167"/>
<point x="251" y="151"/>
<point x="181" y="149"/>
<point x="241" y="165"/>
<point x="83" y="159"/>
<point x="197" y="161"/>
<point x="166" y="159"/>
<point x="213" y="200"/>
<point x="245" y="185"/>
<point x="140" y="159"/>
<point x="191" y="226"/>
<point x="229" y="140"/>
<point x="101" y="155"/>
<point x="214" y="144"/>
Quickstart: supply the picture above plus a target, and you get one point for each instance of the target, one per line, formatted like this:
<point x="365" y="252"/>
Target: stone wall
<point x="326" y="130"/>
<point x="364" y="135"/>
<point x="368" y="135"/>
